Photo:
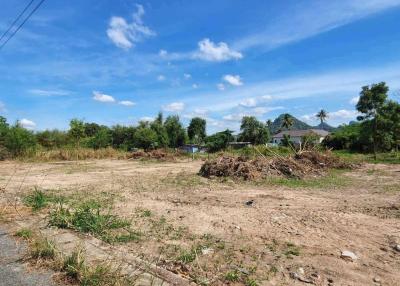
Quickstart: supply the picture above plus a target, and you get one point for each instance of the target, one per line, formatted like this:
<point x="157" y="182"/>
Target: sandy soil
<point x="282" y="236"/>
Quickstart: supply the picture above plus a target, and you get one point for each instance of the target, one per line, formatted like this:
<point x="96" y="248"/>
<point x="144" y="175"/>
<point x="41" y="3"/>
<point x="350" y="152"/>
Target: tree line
<point x="15" y="140"/>
<point x="377" y="129"/>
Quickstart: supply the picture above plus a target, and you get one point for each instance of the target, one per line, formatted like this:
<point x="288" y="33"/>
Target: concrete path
<point x="13" y="272"/>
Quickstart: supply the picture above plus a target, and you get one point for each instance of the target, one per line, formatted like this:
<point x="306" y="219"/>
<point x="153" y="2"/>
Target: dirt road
<point x="222" y="232"/>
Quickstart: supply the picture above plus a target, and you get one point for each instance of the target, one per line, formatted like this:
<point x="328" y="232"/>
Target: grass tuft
<point x="90" y="217"/>
<point x="24" y="233"/>
<point x="42" y="248"/>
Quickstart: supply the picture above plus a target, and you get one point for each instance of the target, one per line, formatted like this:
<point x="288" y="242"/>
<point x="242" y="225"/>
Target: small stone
<point x="348" y="255"/>
<point x="330" y="280"/>
<point x="206" y="251"/>
<point x="377" y="279"/>
<point x="397" y="247"/>
<point x="301" y="271"/>
<point x="249" y="203"/>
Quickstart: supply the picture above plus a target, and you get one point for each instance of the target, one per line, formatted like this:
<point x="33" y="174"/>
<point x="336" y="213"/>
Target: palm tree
<point x="322" y="115"/>
<point x="287" y="121"/>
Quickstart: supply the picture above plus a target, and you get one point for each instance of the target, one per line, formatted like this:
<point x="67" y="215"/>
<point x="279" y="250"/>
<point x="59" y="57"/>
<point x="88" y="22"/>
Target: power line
<point x="23" y="22"/>
<point x="16" y="20"/>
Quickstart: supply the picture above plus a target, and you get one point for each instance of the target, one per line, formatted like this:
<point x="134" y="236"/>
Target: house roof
<point x="301" y="133"/>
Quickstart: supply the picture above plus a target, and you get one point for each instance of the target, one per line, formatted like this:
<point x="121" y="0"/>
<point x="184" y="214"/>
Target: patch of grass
<point x="251" y="282"/>
<point x="385" y="158"/>
<point x="36" y="200"/>
<point x="24" y="233"/>
<point x="331" y="180"/>
<point x="91" y="217"/>
<point x="232" y="276"/>
<point x="391" y="188"/>
<point x="146" y="213"/>
<point x="291" y="250"/>
<point x="42" y="248"/>
<point x="187" y="256"/>
<point x="74" y="264"/>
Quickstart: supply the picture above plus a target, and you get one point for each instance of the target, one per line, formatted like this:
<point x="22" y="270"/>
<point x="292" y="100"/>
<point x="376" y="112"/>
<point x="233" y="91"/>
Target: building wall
<point x="296" y="140"/>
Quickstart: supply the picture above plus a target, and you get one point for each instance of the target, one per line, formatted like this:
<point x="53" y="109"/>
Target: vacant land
<point x="220" y="231"/>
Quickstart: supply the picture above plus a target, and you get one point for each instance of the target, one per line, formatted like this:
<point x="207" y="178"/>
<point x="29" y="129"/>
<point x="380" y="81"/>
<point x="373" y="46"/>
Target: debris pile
<point x="298" y="166"/>
<point x="158" y="154"/>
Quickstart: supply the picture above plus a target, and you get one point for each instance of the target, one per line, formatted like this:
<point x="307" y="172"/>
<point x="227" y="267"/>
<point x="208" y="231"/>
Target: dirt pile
<point x="299" y="166"/>
<point x="158" y="154"/>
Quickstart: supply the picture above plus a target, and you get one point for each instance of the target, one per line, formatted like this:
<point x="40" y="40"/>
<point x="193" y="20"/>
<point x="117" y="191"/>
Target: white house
<point x="296" y="136"/>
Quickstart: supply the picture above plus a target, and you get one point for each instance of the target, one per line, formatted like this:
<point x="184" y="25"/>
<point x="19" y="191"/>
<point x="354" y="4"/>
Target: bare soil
<point x="226" y="232"/>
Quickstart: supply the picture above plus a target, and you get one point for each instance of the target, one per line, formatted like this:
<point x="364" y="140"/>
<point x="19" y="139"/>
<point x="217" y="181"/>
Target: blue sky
<point x="121" y="61"/>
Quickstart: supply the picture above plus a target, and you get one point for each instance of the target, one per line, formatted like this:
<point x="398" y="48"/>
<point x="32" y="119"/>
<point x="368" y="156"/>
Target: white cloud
<point x="234" y="80"/>
<point x="209" y="51"/>
<point x="161" y="77"/>
<point x="266" y="97"/>
<point x="257" y="111"/>
<point x="187" y="76"/>
<point x="162" y="53"/>
<point x="127" y="103"/>
<point x="28" y="124"/>
<point x="174" y="107"/>
<point x="98" y="96"/>
<point x="221" y="86"/>
<point x="146" y="119"/>
<point x="354" y="100"/>
<point x="249" y="102"/>
<point x="126" y="35"/>
<point x="311" y="18"/>
<point x="343" y="114"/>
<point x="49" y="92"/>
<point x="195" y="86"/>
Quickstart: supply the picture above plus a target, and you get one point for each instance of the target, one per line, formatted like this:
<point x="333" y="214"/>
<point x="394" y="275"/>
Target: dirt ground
<point x="224" y="232"/>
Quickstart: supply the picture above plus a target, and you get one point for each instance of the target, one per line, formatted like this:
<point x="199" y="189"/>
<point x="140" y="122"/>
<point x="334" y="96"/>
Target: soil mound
<point x="298" y="166"/>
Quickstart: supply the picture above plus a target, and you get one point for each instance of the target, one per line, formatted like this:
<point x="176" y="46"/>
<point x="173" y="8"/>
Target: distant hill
<point x="297" y="125"/>
<point x="325" y="126"/>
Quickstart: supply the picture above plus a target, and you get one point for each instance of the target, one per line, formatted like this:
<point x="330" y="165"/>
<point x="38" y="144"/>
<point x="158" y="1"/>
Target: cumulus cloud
<point x="28" y="124"/>
<point x="98" y="96"/>
<point x="343" y="114"/>
<point x="354" y="100"/>
<point x="187" y="76"/>
<point x="234" y="80"/>
<point x="49" y="92"/>
<point x="162" y="53"/>
<point x="195" y="86"/>
<point x="127" y="103"/>
<point x="174" y="107"/>
<point x="220" y="52"/>
<point x="126" y="35"/>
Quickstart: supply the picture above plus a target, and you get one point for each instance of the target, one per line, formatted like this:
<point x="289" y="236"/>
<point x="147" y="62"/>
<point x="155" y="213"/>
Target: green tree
<point x="197" y="130"/>
<point x="176" y="132"/>
<point x="52" y="138"/>
<point x="287" y="121"/>
<point x="219" y="140"/>
<point x="253" y="131"/>
<point x="92" y="128"/>
<point x="322" y="115"/>
<point x="19" y="140"/>
<point x="101" y="139"/>
<point x="162" y="136"/>
<point x="76" y="130"/>
<point x="145" y="138"/>
<point x="370" y="104"/>
<point x="123" y="137"/>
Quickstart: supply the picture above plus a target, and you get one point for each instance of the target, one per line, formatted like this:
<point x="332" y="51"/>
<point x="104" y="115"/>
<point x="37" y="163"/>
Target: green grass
<point x="91" y="217"/>
<point x="291" y="250"/>
<point x="385" y="158"/>
<point x="42" y="248"/>
<point x="334" y="178"/>
<point x="37" y="200"/>
<point x="232" y="276"/>
<point x="24" y="233"/>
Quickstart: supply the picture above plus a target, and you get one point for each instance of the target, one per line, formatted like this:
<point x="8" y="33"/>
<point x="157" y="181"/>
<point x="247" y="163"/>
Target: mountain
<point x="297" y="125"/>
<point x="325" y="126"/>
<point x="276" y="125"/>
